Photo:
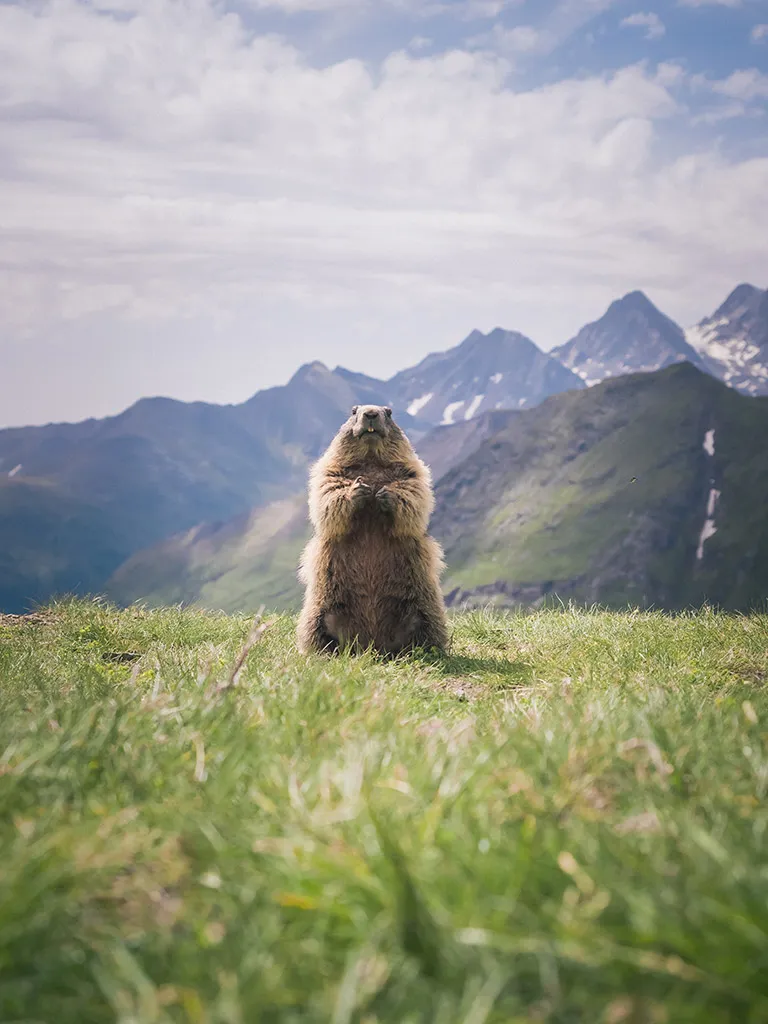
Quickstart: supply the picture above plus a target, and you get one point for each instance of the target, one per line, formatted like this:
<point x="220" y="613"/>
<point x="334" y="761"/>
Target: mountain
<point x="302" y="416"/>
<point x="446" y="447"/>
<point x="246" y="562"/>
<point x="733" y="342"/>
<point x="127" y="483"/>
<point x="251" y="560"/>
<point x="51" y="543"/>
<point x="500" y="370"/>
<point x="159" y="467"/>
<point x="164" y="466"/>
<point x="633" y="336"/>
<point x="648" y="489"/>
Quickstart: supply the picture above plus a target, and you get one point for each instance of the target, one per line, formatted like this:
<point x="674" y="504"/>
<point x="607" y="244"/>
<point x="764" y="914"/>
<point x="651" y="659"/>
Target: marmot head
<point x="370" y="432"/>
<point x="371" y="422"/>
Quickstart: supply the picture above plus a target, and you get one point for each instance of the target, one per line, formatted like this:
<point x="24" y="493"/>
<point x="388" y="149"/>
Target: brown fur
<point x="372" y="573"/>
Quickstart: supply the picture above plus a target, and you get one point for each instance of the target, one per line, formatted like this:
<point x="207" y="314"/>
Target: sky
<point x="198" y="196"/>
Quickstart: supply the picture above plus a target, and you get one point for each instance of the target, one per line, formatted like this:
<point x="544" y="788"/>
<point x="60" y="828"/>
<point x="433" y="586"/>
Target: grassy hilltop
<point x="565" y="820"/>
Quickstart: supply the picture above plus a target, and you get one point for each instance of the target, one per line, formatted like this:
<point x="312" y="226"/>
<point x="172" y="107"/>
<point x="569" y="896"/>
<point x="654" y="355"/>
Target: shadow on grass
<point x="506" y="672"/>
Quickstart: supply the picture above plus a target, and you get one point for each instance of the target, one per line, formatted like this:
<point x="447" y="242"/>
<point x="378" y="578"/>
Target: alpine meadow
<point x="563" y="819"/>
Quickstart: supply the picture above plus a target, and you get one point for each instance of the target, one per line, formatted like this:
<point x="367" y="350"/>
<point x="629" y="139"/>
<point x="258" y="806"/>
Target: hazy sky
<point x="196" y="196"/>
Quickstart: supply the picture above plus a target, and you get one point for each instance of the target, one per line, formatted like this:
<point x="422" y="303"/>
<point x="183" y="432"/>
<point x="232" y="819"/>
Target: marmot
<point x="371" y="572"/>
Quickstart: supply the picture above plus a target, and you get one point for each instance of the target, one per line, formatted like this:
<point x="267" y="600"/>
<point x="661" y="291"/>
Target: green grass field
<point x="565" y="820"/>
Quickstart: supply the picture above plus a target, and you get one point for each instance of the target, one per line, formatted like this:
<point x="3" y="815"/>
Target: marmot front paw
<point x="360" y="492"/>
<point x="385" y="499"/>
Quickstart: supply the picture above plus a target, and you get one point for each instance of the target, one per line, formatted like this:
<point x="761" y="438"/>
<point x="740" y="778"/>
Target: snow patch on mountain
<point x="418" y="404"/>
<point x="474" y="405"/>
<point x="15" y="470"/>
<point x="450" y="411"/>
<point x="708" y="529"/>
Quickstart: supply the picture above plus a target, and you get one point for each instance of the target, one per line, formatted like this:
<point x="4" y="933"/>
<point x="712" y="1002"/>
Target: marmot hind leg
<point x="313" y="636"/>
<point x="416" y="628"/>
<point x="432" y="632"/>
<point x="432" y="636"/>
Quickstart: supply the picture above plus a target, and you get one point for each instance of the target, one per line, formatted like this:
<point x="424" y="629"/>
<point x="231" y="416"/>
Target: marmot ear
<point x="388" y="411"/>
<point x="354" y="409"/>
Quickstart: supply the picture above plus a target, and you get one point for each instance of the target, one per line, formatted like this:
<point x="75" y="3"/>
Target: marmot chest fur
<point x="371" y="571"/>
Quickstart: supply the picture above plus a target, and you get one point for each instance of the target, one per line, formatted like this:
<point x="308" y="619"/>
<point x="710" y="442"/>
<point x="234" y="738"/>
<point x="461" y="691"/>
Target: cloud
<point x="651" y="22"/>
<point x="565" y="19"/>
<point x="746" y="84"/>
<point x="744" y="91"/>
<point x="303" y="6"/>
<point x="468" y="10"/>
<point x="188" y="206"/>
<point x="710" y="3"/>
<point x="510" y="42"/>
<point x="759" y="33"/>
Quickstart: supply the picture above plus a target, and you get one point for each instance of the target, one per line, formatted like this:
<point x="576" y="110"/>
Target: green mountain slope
<point x="599" y="495"/>
<point x="251" y="560"/>
<point x="51" y="543"/>
<point x="243" y="563"/>
<point x="446" y="447"/>
<point x="603" y="495"/>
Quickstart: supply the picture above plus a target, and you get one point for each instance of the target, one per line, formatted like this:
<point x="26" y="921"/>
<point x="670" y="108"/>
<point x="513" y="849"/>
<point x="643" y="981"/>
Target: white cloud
<point x="746" y="84"/>
<point x="510" y="42"/>
<point x="759" y="33"/>
<point x="710" y="3"/>
<point x="469" y="10"/>
<point x="303" y="6"/>
<point x="652" y="23"/>
<point x="563" y="21"/>
<point x="726" y="112"/>
<point x="187" y="207"/>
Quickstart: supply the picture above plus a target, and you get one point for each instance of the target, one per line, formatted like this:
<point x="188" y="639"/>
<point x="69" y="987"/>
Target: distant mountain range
<point x="650" y="490"/>
<point x="79" y="500"/>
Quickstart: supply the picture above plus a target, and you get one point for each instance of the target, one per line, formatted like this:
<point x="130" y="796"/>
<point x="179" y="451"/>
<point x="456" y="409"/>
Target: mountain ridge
<point x="600" y="495"/>
<point x="162" y="466"/>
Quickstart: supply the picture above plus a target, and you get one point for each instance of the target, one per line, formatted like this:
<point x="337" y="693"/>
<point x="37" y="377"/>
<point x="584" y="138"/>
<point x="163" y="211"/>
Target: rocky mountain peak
<point x="310" y="372"/>
<point x="498" y="370"/>
<point x="733" y="342"/>
<point x="744" y="298"/>
<point x="632" y="336"/>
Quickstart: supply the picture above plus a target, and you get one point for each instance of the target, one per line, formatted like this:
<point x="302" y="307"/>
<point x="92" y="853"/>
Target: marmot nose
<point x="371" y="414"/>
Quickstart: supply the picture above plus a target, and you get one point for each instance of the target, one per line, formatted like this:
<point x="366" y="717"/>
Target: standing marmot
<point x="372" y="574"/>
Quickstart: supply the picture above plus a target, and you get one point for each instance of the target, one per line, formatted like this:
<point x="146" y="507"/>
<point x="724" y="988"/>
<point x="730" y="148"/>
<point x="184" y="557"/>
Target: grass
<point x="563" y="821"/>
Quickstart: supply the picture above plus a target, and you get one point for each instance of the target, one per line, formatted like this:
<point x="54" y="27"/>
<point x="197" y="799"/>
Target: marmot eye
<point x="354" y="409"/>
<point x="388" y="411"/>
